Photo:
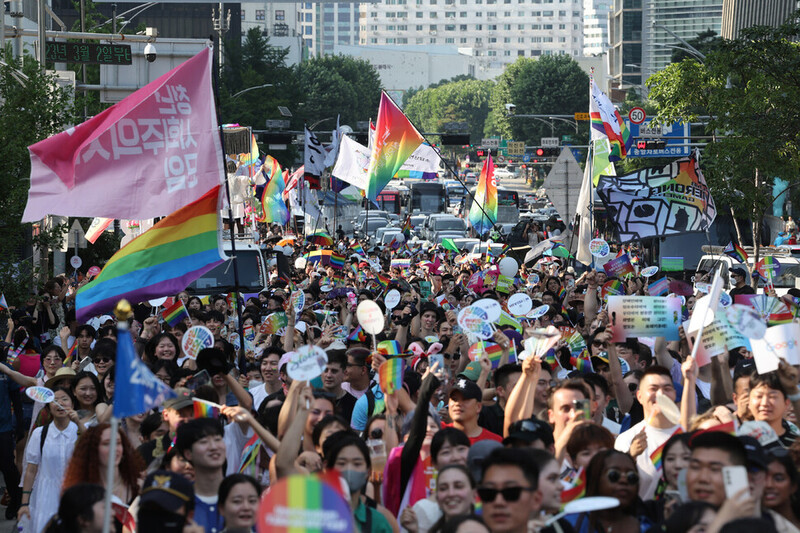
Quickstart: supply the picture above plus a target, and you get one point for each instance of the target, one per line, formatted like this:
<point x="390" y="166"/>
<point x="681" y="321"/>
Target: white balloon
<point x="508" y="267"/>
<point x="300" y="262"/>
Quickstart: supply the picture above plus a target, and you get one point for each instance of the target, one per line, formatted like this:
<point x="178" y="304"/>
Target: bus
<point x="392" y="200"/>
<point x="507" y="205"/>
<point x="455" y="192"/>
<point x="427" y="197"/>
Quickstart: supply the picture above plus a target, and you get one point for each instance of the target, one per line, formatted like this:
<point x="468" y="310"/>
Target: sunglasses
<point x="454" y="356"/>
<point x="614" y="475"/>
<point x="510" y="494"/>
<point x="600" y="343"/>
<point x="101" y="360"/>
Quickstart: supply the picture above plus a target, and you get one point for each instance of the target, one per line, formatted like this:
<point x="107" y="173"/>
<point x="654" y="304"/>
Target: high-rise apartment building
<point x="625" y="36"/>
<point x="666" y="22"/>
<point x="323" y="25"/>
<point x="595" y="26"/>
<point x="739" y="14"/>
<point x="500" y="30"/>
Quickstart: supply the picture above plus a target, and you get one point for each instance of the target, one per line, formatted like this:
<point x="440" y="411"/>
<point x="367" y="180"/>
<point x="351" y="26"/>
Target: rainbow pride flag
<point x="486" y="197"/>
<point x="337" y="261"/>
<point x="175" y="314"/>
<point x="657" y="457"/>
<point x="272" y="203"/>
<point x="394" y="141"/>
<point x="490" y="349"/>
<point x="390" y="375"/>
<point x="204" y="409"/>
<point x="3" y="303"/>
<point x="357" y="248"/>
<point x="578" y="490"/>
<point x="406" y="230"/>
<point x="357" y="335"/>
<point x="608" y="124"/>
<point x="163" y="260"/>
<point x="391" y="348"/>
<point x="735" y="251"/>
<point x="382" y="280"/>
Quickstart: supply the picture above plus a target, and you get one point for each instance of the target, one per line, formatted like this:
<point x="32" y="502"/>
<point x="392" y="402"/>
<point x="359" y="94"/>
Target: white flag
<point x="585" y="213"/>
<point x="330" y="158"/>
<point x="424" y="159"/>
<point x="352" y="163"/>
<point x="314" y="154"/>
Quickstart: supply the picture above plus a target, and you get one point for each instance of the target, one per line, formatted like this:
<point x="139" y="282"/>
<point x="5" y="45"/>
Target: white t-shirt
<point x="647" y="471"/>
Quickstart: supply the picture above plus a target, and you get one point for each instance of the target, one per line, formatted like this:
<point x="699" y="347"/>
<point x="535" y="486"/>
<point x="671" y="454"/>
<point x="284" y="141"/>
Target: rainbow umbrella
<point x="323" y="257"/>
<point x="320" y="238"/>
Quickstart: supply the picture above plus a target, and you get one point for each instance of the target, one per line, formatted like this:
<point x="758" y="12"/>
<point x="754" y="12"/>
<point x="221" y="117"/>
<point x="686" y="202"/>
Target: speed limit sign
<point x="637" y="115"/>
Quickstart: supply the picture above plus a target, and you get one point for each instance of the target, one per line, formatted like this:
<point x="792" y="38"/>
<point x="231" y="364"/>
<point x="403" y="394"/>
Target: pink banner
<point x="147" y="156"/>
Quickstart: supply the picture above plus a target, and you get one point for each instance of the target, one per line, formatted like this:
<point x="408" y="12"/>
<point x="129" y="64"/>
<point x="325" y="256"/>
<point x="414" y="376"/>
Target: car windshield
<point x="454" y="224"/>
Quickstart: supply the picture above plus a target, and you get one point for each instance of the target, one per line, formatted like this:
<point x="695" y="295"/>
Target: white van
<point x="786" y="279"/>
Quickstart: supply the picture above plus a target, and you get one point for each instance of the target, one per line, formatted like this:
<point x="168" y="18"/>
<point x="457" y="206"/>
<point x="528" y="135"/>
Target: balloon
<point x="300" y="263"/>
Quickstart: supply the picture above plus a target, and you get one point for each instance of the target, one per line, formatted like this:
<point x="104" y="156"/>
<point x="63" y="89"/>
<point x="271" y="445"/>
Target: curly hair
<point x="84" y="467"/>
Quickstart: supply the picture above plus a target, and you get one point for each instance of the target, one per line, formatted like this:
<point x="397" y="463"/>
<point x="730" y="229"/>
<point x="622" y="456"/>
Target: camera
<point x="511" y="109"/>
<point x="150" y="52"/>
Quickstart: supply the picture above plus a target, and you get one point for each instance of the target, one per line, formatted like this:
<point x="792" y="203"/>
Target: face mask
<point x="161" y="520"/>
<point x="355" y="479"/>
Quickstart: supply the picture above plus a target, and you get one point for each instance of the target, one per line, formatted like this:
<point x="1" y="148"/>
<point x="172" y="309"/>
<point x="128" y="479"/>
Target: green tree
<point x="32" y="108"/>
<point x="338" y="85"/>
<point x="706" y="42"/>
<point x="750" y="90"/>
<point x="466" y="100"/>
<point x="550" y="85"/>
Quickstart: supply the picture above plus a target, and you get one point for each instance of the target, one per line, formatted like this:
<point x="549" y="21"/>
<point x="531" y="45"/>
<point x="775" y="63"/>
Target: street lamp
<point x="251" y="89"/>
<point x="691" y="49"/>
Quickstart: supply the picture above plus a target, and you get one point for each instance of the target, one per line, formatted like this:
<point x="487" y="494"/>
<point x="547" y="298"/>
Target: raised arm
<point x="520" y="402"/>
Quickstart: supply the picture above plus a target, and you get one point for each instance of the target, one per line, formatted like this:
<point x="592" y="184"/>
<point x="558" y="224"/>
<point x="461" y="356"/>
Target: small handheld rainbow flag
<point x="3" y="303"/>
<point x="390" y="348"/>
<point x="71" y="354"/>
<point x="390" y="375"/>
<point x="383" y="281"/>
<point x="205" y="409"/>
<point x="249" y="455"/>
<point x="657" y="457"/>
<point x="337" y="261"/>
<point x="578" y="490"/>
<point x="357" y="248"/>
<point x="357" y="335"/>
<point x="490" y="349"/>
<point x="175" y="314"/>
<point x="562" y="293"/>
<point x="735" y="251"/>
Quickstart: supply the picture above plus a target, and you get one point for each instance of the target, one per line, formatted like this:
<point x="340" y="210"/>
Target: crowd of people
<point x="467" y="444"/>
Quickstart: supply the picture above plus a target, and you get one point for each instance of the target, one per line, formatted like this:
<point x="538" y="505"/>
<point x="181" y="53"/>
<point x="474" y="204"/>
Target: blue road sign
<point x="676" y="136"/>
<point x="526" y="158"/>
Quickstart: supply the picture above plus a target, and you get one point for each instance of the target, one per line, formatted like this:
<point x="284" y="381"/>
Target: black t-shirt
<point x="747" y="289"/>
<point x="345" y="405"/>
<point x="491" y="418"/>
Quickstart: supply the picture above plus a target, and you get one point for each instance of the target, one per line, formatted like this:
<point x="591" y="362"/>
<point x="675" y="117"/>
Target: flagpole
<point x="242" y="362"/>
<point x="123" y="312"/>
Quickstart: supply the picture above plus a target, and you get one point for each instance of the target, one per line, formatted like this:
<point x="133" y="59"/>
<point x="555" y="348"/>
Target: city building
<point x="324" y="25"/>
<point x="739" y="14"/>
<point x="498" y="30"/>
<point x="625" y="37"/>
<point x="595" y="26"/>
<point x="280" y="22"/>
<point x="666" y="22"/>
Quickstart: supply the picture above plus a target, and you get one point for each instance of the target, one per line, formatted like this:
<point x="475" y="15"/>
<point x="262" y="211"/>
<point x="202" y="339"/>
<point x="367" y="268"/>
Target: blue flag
<point x="137" y="388"/>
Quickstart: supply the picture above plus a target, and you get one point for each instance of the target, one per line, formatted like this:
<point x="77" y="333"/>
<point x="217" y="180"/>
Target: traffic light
<point x="484" y="152"/>
<point x="547" y="151"/>
<point x="657" y="144"/>
<point x="455" y="139"/>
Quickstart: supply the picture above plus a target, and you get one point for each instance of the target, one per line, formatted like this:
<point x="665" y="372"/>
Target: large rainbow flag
<point x="272" y="203"/>
<point x="395" y="140"/>
<point x="607" y="123"/>
<point x="485" y="196"/>
<point x="163" y="260"/>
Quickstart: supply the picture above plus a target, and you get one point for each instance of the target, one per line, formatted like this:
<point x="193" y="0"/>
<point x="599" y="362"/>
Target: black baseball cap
<point x="756" y="456"/>
<point x="469" y="389"/>
<point x="739" y="271"/>
<point x="529" y="431"/>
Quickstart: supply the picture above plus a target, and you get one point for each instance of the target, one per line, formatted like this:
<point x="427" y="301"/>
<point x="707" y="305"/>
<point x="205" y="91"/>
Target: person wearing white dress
<point x="46" y="461"/>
